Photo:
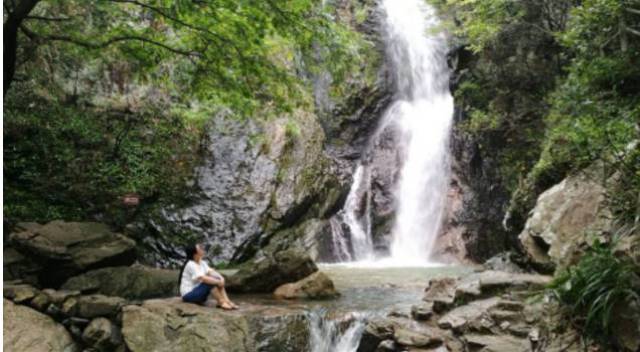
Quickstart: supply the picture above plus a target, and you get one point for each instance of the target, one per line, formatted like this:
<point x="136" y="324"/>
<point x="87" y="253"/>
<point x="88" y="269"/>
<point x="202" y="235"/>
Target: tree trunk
<point x="11" y="26"/>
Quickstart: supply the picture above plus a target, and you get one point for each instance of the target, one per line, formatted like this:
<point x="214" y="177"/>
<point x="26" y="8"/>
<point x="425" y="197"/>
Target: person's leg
<point x="199" y="294"/>
<point x="222" y="303"/>
<point x="223" y="293"/>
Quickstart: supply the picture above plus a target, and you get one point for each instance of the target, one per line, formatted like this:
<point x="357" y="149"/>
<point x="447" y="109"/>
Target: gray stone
<point x="413" y="338"/>
<point x="566" y="217"/>
<point x="441" y="292"/>
<point x="25" y="329"/>
<point x="469" y="315"/>
<point x="375" y="332"/>
<point x="265" y="274"/>
<point x="58" y="297"/>
<point x="422" y="311"/>
<point x="497" y="343"/>
<point x="92" y="306"/>
<point x="20" y="293"/>
<point x="102" y="335"/>
<point x="169" y="325"/>
<point x="131" y="282"/>
<point x="315" y="286"/>
<point x="67" y="248"/>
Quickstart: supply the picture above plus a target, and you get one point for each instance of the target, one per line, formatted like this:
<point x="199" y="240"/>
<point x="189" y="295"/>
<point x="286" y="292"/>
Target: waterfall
<point x="421" y="112"/>
<point x="425" y="111"/>
<point x="335" y="335"/>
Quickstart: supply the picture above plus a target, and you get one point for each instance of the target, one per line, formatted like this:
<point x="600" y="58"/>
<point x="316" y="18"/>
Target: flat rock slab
<point x="68" y="248"/>
<point x="497" y="343"/>
<point x="171" y="325"/>
<point x="131" y="282"/>
<point x="461" y="317"/>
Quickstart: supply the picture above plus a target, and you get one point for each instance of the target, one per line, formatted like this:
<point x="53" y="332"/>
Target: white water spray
<point x="422" y="112"/>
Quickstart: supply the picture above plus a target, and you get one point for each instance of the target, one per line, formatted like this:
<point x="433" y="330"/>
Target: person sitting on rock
<point x="197" y="281"/>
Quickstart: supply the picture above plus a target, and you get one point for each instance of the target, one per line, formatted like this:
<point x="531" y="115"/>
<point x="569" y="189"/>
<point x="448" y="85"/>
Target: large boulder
<point x="25" y="329"/>
<point x="131" y="282"/>
<point x="265" y="274"/>
<point x="93" y="306"/>
<point x="441" y="293"/>
<point x="103" y="335"/>
<point x="565" y="220"/>
<point x="315" y="286"/>
<point x="65" y="249"/>
<point x="165" y="325"/>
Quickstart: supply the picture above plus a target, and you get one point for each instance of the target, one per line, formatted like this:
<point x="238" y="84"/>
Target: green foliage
<point x="218" y="53"/>
<point x="69" y="162"/>
<point x="592" y="290"/>
<point x="482" y="20"/>
<point x="110" y="96"/>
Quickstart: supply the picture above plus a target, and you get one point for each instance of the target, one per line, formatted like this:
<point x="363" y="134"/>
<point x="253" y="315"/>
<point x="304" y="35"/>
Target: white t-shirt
<point x="192" y="271"/>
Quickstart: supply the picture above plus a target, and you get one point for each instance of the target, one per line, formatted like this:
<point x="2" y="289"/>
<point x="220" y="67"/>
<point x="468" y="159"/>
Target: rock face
<point x="315" y="286"/>
<point x="262" y="176"/>
<point x="65" y="249"/>
<point x="265" y="274"/>
<point x="131" y="282"/>
<point x="566" y="218"/>
<point x="25" y="329"/>
<point x="256" y="177"/>
<point x="170" y="325"/>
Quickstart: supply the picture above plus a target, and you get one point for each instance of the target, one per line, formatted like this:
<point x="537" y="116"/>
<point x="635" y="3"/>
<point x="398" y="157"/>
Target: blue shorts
<point x="199" y="293"/>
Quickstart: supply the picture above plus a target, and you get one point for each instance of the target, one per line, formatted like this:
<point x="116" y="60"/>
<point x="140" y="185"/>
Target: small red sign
<point x="131" y="199"/>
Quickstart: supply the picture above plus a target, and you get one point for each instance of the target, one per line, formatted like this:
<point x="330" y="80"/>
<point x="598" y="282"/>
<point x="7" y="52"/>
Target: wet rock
<point x="503" y="262"/>
<point x="566" y="217"/>
<point x="496" y="343"/>
<point x="468" y="316"/>
<point x="441" y="292"/>
<point x="315" y="286"/>
<point x="92" y="306"/>
<point x="19" y="293"/>
<point x="64" y="249"/>
<point x="420" y="338"/>
<point x="102" y="335"/>
<point x="422" y="311"/>
<point x="169" y="325"/>
<point x="375" y="332"/>
<point x="257" y="177"/>
<point x="386" y="346"/>
<point x="267" y="273"/>
<point x="489" y="283"/>
<point x="25" y="329"/>
<point x="130" y="282"/>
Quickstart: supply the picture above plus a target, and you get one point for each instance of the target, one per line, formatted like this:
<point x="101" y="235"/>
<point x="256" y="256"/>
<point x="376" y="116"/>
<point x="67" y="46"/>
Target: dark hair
<point x="189" y="251"/>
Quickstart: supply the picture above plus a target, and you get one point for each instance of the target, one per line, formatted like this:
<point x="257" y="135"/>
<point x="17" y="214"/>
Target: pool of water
<point x="369" y="288"/>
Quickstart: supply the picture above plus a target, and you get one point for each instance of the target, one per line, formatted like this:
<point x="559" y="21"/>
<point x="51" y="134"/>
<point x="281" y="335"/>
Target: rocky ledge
<point x="98" y="301"/>
<point x="485" y="311"/>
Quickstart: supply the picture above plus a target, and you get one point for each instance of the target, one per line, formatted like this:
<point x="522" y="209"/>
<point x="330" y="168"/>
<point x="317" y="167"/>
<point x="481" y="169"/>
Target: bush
<point x="590" y="291"/>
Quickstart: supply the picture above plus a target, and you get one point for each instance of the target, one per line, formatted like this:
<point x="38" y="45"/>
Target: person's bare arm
<point x="211" y="280"/>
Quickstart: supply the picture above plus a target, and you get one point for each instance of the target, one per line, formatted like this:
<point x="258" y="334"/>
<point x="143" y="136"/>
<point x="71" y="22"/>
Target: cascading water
<point x="421" y="113"/>
<point x="328" y="335"/>
<point x="424" y="114"/>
